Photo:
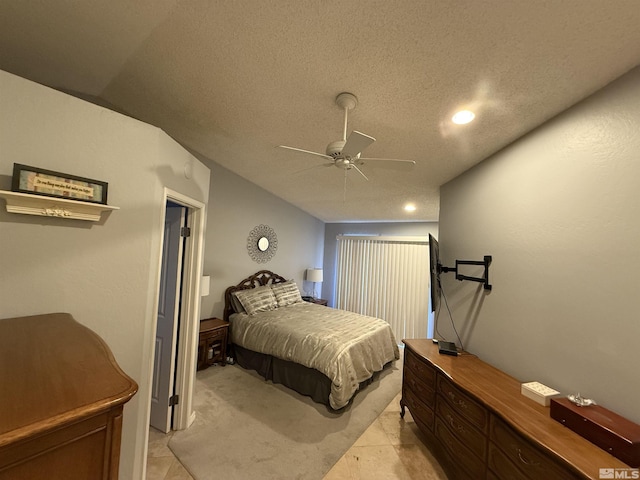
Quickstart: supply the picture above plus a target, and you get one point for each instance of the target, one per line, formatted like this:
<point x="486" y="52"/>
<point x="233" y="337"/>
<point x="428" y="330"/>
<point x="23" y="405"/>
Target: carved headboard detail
<point x="258" y="279"/>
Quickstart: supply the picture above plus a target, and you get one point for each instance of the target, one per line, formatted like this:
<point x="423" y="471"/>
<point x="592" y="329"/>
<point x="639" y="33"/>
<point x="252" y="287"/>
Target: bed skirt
<point x="304" y="380"/>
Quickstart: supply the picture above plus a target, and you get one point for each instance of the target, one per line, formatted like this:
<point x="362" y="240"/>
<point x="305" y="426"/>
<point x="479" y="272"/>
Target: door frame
<point x="189" y="320"/>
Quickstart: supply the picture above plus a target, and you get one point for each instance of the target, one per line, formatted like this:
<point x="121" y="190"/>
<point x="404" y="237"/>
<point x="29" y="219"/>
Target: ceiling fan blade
<point x="387" y="163"/>
<point x="412" y="162"/>
<point x="356" y="143"/>
<point x="306" y="151"/>
<point x="360" y="172"/>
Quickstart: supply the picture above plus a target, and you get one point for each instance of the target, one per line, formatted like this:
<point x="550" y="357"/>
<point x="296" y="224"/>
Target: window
<point x="388" y="278"/>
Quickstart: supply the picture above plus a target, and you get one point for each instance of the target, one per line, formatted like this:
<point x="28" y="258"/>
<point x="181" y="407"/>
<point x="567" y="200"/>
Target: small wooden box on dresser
<point x="479" y="426"/>
<point x="212" y="345"/>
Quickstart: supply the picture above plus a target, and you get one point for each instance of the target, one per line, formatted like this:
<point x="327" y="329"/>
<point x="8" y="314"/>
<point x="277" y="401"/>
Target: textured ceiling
<point x="231" y="80"/>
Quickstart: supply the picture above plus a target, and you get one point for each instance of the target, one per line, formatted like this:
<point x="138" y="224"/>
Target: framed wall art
<point x="38" y="181"/>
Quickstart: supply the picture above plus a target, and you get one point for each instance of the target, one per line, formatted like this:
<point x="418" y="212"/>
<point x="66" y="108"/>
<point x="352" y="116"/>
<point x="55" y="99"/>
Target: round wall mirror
<point x="262" y="243"/>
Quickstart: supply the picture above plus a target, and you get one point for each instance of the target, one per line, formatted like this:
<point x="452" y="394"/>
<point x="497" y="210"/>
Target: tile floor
<point x="389" y="449"/>
<point x="161" y="462"/>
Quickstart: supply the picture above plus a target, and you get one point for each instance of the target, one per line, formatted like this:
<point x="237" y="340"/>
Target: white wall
<point x="105" y="274"/>
<point x="559" y="210"/>
<point x="236" y="206"/>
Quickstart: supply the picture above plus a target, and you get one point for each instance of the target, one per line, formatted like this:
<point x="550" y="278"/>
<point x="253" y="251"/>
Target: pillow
<point x="256" y="300"/>
<point x="286" y="293"/>
<point x="236" y="305"/>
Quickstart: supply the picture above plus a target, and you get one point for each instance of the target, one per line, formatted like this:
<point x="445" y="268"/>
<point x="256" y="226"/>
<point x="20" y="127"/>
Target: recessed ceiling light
<point x="410" y="207"/>
<point x="463" y="116"/>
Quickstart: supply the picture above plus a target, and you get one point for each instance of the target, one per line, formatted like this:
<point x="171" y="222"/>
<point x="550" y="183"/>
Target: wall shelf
<point x="42" y="206"/>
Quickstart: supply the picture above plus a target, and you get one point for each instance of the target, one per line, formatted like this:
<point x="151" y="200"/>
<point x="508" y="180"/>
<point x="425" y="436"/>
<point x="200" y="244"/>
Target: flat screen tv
<point x="434" y="270"/>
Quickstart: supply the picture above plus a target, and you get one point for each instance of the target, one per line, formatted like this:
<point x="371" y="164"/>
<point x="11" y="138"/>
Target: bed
<point x="321" y="352"/>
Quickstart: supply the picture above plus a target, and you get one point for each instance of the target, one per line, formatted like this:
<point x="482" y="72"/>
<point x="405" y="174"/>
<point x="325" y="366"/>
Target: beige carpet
<point x="247" y="428"/>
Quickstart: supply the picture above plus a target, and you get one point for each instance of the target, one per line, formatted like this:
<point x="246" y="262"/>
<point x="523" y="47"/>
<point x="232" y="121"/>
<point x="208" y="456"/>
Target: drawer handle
<point x="525" y="461"/>
<point x="452" y="422"/>
<point x="460" y="403"/>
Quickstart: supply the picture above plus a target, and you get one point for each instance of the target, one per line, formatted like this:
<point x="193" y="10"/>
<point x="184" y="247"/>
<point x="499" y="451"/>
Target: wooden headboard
<point x="258" y="279"/>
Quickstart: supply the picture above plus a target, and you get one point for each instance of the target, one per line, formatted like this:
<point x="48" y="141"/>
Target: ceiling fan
<point x="345" y="153"/>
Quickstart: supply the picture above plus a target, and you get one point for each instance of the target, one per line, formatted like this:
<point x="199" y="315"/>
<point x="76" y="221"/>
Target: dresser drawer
<point x="423" y="371"/>
<point x="533" y="463"/>
<point x="219" y="334"/>
<point x="463" y="457"/>
<point x="493" y="476"/>
<point x="501" y="467"/>
<point x="462" y="429"/>
<point x="463" y="404"/>
<point x="426" y="393"/>
<point x="422" y="414"/>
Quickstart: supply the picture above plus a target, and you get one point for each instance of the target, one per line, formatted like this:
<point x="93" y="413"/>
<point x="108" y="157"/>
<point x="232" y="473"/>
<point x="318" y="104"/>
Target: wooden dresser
<point x="479" y="425"/>
<point x="61" y="402"/>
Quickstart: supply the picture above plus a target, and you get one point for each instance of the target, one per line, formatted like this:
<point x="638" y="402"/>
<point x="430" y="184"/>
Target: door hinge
<point x="185" y="232"/>
<point x="174" y="400"/>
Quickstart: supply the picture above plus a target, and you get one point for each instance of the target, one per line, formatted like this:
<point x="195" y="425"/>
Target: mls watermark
<point x="619" y="473"/>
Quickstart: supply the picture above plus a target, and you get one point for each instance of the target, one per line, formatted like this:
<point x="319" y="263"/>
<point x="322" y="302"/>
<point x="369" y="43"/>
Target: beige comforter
<point x="345" y="346"/>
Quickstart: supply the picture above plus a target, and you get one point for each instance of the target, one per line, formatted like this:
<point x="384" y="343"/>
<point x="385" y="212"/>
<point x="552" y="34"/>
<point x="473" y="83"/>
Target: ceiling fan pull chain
<point x="344" y="130"/>
<point x="344" y="193"/>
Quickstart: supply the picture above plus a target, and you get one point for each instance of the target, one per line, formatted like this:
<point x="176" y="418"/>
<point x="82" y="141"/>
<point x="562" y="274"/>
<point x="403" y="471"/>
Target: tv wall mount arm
<point x="484" y="279"/>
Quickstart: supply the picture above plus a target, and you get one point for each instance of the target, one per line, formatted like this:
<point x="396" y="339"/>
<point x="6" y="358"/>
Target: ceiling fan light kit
<point x="463" y="117"/>
<point x="346" y="153"/>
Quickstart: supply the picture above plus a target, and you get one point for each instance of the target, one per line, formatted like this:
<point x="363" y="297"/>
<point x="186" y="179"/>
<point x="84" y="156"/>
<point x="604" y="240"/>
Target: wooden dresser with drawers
<point x="62" y="401"/>
<point x="479" y="426"/>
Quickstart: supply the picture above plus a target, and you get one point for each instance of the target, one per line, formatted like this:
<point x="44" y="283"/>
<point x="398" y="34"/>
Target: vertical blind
<point x="386" y="278"/>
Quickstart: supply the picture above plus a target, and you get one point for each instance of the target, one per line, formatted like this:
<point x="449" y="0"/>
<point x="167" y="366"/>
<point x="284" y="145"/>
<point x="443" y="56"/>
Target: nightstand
<point x="212" y="345"/>
<point x="319" y="301"/>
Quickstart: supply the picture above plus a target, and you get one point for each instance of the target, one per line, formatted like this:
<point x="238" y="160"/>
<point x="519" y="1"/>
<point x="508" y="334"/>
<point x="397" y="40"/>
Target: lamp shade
<point x="314" y="275"/>
<point x="205" y="286"/>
